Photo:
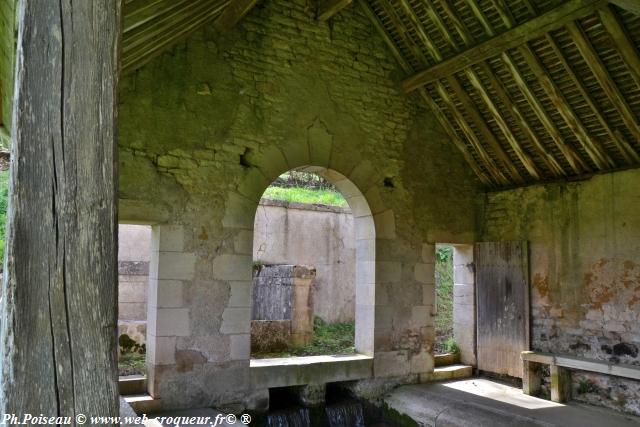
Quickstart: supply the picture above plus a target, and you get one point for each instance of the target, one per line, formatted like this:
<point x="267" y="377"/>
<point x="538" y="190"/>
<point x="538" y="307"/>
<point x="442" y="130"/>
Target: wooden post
<point x="59" y="299"/>
<point x="560" y="384"/>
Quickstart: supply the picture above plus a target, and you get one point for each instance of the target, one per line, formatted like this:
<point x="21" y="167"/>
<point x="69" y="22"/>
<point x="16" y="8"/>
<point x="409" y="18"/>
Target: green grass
<point x="132" y="363"/>
<point x="328" y="338"/>
<point x="334" y="338"/>
<point x="305" y="195"/>
<point x="444" y="298"/>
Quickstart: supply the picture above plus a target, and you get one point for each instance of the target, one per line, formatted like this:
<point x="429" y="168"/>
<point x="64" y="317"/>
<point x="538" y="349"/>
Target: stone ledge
<point x="304" y="206"/>
<point x="292" y="371"/>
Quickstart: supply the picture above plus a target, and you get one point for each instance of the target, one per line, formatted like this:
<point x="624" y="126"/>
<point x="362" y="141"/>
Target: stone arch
<point x="365" y="235"/>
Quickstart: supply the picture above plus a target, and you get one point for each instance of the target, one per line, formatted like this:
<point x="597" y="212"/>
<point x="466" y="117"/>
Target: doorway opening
<point x="134" y="255"/>
<point x="455" y="323"/>
<point x="306" y="272"/>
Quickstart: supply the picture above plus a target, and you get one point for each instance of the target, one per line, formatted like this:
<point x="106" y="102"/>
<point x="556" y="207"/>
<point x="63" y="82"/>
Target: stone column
<point x="167" y="314"/>
<point x="302" y="305"/>
<point x="464" y="304"/>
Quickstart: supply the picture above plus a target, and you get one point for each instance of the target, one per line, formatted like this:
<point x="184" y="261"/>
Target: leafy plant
<point x="451" y="346"/>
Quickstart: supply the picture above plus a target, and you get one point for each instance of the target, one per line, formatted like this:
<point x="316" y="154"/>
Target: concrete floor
<point x="481" y="402"/>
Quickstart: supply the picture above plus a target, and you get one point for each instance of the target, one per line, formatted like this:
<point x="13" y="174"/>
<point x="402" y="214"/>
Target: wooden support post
<point x="531" y="378"/>
<point x="59" y="299"/>
<point x="560" y="384"/>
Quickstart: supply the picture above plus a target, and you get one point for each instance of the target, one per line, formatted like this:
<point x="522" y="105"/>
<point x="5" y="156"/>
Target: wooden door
<point x="502" y="299"/>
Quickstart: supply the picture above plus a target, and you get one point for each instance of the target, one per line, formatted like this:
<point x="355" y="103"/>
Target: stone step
<point x="450" y="372"/>
<point x="446" y="359"/>
<point x="143" y="403"/>
<point x="132" y="384"/>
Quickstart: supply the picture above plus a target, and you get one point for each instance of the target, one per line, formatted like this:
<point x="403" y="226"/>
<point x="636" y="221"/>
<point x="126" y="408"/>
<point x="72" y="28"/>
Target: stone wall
<point x="321" y="236"/>
<point x="205" y="128"/>
<point x="585" y="270"/>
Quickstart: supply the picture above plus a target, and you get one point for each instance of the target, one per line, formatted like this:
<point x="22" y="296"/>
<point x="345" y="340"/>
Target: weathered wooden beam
<point x="488" y="163"/>
<point x="483" y="129"/>
<point x="420" y="30"/>
<point x="572" y="158"/>
<point x="504" y="12"/>
<point x="142" y="48"/>
<point x="235" y="11"/>
<point x="593" y="150"/>
<point x="416" y="51"/>
<point x="327" y="9"/>
<point x="479" y="14"/>
<point x="458" y="24"/>
<point x="606" y="83"/>
<point x="623" y="43"/>
<point x="548" y="159"/>
<point x="502" y="124"/>
<point x="510" y="39"/>
<point x="444" y="122"/>
<point x="632" y="6"/>
<point x="59" y="299"/>
<point x="439" y="23"/>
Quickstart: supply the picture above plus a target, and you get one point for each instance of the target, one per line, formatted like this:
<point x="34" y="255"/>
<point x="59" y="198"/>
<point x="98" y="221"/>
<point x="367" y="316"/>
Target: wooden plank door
<point x="502" y="300"/>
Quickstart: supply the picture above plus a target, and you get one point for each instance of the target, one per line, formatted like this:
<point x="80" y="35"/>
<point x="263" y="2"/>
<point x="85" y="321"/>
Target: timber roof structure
<point x="528" y="90"/>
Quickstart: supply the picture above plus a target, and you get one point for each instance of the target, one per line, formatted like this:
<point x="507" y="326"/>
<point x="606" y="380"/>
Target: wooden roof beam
<point x="483" y="129"/>
<point x="502" y="124"/>
<point x="623" y="43"/>
<point x="632" y="6"/>
<point x="607" y="84"/>
<point x="430" y="102"/>
<point x="327" y="9"/>
<point x="595" y="152"/>
<point x="572" y="158"/>
<point x="235" y="11"/>
<point x="510" y="39"/>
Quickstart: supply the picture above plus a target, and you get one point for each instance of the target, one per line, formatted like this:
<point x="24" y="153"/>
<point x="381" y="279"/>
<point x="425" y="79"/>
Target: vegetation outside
<point x="334" y="338"/>
<point x="444" y="300"/>
<point x="304" y="187"/>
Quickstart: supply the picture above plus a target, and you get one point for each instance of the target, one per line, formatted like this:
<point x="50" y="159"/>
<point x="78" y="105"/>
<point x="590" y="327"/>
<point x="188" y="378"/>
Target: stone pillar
<point x="531" y="378"/>
<point x="464" y="303"/>
<point x="560" y="384"/>
<point x="167" y="314"/>
<point x="302" y="305"/>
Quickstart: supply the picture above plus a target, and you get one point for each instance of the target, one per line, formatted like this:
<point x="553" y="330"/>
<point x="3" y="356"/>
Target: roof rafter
<point x="510" y="39"/>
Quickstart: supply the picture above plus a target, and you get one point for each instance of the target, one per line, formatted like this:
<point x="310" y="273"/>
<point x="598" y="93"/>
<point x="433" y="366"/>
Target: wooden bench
<point x="560" y="366"/>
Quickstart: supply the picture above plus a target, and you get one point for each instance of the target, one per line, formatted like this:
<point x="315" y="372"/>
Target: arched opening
<point x="313" y="267"/>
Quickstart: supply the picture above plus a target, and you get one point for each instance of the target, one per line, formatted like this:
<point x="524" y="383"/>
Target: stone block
<point x="388" y="272"/>
<point x="463" y="274"/>
<point x="173" y="265"/>
<point x="365" y="294"/>
<point x="240" y="346"/>
<point x="420" y="316"/>
<point x="239" y="212"/>
<point x="429" y="295"/>
<point x="421" y="363"/>
<point x="169" y="293"/>
<point x="365" y="272"/>
<point x="167" y="238"/>
<point x="172" y="322"/>
<point x="320" y="144"/>
<point x="270" y="160"/>
<point x="253" y="184"/>
<point x="374" y="200"/>
<point x="365" y="227"/>
<point x="243" y="242"/>
<point x="240" y="294"/>
<point x="365" y="250"/>
<point x="347" y="188"/>
<point x="232" y="267"/>
<point x="365" y="328"/>
<point x="428" y="253"/>
<point x="359" y="206"/>
<point x="385" y="223"/>
<point x="236" y="320"/>
<point x="391" y="364"/>
<point x="364" y="175"/>
<point x="161" y="350"/>
<point x="425" y="273"/>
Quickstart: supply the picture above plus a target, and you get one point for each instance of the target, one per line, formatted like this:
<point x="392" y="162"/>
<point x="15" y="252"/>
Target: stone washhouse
<point x="509" y="129"/>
